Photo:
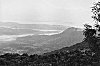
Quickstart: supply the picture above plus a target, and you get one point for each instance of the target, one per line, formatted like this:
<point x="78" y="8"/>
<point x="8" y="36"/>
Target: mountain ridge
<point x="32" y="26"/>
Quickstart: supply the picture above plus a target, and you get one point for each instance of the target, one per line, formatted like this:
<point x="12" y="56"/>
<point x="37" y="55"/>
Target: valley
<point x="34" y="40"/>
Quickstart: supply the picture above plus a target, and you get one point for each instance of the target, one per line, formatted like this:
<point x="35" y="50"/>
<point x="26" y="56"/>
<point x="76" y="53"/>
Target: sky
<point x="63" y="12"/>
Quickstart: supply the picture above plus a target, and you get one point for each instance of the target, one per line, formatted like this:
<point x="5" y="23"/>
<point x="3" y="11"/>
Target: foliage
<point x="89" y="31"/>
<point x="96" y="12"/>
<point x="72" y="58"/>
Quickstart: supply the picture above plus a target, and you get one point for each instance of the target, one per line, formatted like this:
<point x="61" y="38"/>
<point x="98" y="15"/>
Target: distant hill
<point x="10" y="31"/>
<point x="14" y="25"/>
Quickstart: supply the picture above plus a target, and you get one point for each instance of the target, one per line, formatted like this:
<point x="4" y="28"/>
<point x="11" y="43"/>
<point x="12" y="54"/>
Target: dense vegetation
<point x="79" y="57"/>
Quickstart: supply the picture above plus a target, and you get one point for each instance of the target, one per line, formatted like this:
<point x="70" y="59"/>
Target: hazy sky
<point x="67" y="12"/>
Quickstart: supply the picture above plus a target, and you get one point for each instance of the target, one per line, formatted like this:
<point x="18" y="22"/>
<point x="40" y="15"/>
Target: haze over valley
<point x="36" y="38"/>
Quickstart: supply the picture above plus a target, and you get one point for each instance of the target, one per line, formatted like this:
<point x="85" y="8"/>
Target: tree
<point x="96" y="14"/>
<point x="90" y="33"/>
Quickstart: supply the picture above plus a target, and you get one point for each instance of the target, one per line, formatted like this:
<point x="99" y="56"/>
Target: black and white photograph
<point x="49" y="32"/>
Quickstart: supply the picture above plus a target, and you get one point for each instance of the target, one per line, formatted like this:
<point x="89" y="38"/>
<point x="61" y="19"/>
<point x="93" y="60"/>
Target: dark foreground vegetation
<point x="83" y="57"/>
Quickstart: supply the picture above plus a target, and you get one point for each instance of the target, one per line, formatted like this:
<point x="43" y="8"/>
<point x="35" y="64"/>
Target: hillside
<point x="78" y="46"/>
